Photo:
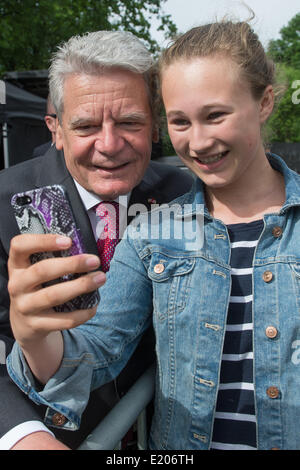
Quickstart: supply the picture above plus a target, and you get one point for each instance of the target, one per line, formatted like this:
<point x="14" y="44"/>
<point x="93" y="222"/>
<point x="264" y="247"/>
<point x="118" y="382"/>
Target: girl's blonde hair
<point x="235" y="40"/>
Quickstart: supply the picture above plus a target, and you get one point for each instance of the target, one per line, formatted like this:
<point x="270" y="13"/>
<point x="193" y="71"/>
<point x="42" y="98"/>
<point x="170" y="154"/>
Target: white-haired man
<point x="102" y="88"/>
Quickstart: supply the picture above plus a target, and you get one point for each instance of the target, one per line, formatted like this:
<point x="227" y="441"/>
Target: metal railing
<point x="129" y="410"/>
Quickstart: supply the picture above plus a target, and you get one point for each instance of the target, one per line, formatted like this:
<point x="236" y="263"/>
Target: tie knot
<point x="108" y="220"/>
<point x="109" y="209"/>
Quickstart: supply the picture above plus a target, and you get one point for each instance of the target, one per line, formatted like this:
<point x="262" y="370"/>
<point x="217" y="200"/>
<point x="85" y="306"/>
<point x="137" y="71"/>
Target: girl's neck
<point x="249" y="198"/>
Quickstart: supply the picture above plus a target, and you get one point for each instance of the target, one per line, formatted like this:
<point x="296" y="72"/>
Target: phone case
<point x="47" y="210"/>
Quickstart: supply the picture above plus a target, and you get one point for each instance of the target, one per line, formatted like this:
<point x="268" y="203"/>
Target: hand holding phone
<point x="47" y="210"/>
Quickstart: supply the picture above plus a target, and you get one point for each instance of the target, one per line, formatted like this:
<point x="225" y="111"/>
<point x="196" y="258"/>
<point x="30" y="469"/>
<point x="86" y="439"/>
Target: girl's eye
<point x="215" y="115"/>
<point x="179" y="122"/>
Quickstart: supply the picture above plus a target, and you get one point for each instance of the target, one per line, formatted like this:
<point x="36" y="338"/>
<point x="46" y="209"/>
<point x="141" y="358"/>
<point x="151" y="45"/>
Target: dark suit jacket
<point x="41" y="149"/>
<point x="161" y="183"/>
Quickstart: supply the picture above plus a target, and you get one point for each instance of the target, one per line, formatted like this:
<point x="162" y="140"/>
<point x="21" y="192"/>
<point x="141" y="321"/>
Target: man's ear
<point x="51" y="123"/>
<point x="266" y="104"/>
<point x="58" y="136"/>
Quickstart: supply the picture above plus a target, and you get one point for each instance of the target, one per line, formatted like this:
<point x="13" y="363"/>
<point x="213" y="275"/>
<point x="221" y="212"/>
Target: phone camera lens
<point x="23" y="200"/>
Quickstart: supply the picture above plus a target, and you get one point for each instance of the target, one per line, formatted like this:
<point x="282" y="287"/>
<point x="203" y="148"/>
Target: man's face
<point x="106" y="131"/>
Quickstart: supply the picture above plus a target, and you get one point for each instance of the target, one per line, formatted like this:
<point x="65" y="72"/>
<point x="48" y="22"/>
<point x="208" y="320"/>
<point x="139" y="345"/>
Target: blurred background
<point x="31" y="30"/>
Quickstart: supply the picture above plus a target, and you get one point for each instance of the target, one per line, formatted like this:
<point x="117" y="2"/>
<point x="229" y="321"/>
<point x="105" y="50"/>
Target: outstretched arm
<point x="96" y="351"/>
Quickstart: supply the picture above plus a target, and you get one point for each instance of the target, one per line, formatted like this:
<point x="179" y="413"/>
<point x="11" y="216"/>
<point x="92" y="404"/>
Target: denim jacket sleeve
<point x="97" y="351"/>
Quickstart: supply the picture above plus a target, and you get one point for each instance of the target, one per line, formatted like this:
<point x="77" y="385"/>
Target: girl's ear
<point x="266" y="104"/>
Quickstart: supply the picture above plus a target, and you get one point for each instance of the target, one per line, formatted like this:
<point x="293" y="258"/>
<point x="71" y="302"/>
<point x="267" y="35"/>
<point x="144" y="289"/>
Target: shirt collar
<point x="90" y="199"/>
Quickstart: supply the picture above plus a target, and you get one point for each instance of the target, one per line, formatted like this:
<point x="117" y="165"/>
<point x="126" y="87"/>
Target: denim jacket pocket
<point x="171" y="277"/>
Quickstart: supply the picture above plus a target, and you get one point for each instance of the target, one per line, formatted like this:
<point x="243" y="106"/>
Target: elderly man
<point x="102" y="88"/>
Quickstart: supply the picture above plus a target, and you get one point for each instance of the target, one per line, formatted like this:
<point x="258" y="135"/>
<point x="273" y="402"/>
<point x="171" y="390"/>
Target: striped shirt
<point x="235" y="420"/>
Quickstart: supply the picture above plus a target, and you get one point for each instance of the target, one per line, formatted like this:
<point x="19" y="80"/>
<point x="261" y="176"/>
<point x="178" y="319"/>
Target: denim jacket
<point x="184" y="288"/>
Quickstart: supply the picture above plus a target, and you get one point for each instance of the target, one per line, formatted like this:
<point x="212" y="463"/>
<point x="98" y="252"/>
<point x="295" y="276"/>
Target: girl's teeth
<point x="212" y="159"/>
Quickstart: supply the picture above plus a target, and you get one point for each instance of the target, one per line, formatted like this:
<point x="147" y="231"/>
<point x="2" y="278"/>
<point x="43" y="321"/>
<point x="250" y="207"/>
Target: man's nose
<point x="109" y="141"/>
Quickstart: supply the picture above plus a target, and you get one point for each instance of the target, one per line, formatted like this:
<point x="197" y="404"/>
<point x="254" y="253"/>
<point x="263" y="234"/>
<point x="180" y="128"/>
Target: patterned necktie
<point x="108" y="231"/>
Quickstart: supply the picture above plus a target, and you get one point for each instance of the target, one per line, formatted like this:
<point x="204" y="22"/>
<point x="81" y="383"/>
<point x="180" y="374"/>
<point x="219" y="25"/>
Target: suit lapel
<point x="147" y="191"/>
<point x="81" y="217"/>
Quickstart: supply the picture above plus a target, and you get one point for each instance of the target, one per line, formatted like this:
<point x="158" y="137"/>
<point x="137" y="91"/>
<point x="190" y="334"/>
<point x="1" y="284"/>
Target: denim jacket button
<point x="267" y="276"/>
<point x="271" y="332"/>
<point x="277" y="232"/>
<point x="159" y="268"/>
<point x="273" y="392"/>
<point x="58" y="419"/>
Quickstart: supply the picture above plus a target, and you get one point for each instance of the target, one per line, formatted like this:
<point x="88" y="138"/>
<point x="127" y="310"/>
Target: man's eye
<point x="130" y="123"/>
<point x="85" y="129"/>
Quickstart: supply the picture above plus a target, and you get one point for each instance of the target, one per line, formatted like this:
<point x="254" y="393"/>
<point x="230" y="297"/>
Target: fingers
<point x="28" y="279"/>
<point x="31" y="308"/>
<point x="30" y="301"/>
<point x="22" y="246"/>
<point x="46" y="298"/>
<point x="38" y="326"/>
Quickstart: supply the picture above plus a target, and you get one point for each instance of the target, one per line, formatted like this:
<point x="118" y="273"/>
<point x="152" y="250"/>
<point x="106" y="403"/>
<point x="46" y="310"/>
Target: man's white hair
<point x="93" y="52"/>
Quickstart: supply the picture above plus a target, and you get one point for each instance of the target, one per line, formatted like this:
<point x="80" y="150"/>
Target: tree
<point x="284" y="125"/>
<point x="287" y="49"/>
<point x="30" y="30"/>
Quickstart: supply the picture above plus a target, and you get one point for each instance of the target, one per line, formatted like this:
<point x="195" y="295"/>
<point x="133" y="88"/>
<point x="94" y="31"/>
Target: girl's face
<point x="213" y="120"/>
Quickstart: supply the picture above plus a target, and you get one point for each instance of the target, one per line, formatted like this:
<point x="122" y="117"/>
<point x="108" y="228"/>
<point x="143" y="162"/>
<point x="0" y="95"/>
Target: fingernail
<point x="63" y="241"/>
<point x="92" y="261"/>
<point x="99" y="278"/>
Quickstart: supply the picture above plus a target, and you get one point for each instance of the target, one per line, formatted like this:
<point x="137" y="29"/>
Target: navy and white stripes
<point x="235" y="420"/>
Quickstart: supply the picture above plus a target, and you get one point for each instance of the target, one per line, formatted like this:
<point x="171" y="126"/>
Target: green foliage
<point x="284" y="125"/>
<point x="167" y="147"/>
<point x="30" y="30"/>
<point x="287" y="49"/>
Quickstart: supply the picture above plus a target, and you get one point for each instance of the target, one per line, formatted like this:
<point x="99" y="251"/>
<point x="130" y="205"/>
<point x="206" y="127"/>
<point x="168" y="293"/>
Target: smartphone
<point x="48" y="210"/>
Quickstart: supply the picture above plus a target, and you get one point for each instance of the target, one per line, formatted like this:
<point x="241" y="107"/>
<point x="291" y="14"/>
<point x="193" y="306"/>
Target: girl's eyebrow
<point x="205" y="108"/>
<point x="174" y="113"/>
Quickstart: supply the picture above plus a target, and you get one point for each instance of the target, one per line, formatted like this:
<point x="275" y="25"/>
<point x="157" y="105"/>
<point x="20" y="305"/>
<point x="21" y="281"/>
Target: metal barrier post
<point x="118" y="421"/>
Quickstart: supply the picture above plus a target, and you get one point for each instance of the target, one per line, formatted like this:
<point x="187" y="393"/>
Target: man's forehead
<point x="114" y="89"/>
<point x="110" y="81"/>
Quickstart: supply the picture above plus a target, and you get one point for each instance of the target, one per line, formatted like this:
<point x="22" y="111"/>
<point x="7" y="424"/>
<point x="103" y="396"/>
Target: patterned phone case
<point x="47" y="210"/>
